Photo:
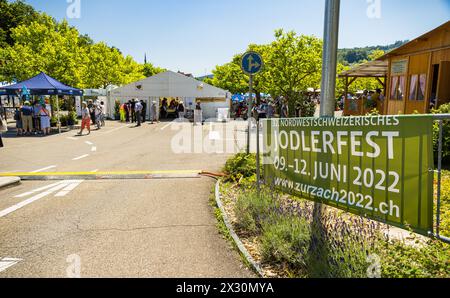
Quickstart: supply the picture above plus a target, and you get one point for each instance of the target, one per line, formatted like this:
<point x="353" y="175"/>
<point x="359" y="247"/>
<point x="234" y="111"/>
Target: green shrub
<point x="443" y="109"/>
<point x="445" y="204"/>
<point x="401" y="260"/>
<point x="66" y="120"/>
<point x="240" y="166"/>
<point x="286" y="240"/>
<point x="252" y="211"/>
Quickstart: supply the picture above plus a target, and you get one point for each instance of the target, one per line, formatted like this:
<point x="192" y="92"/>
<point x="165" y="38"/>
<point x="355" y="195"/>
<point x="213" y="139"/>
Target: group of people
<point x="266" y="109"/>
<point x="135" y="111"/>
<point x="32" y="119"/>
<point x="370" y="100"/>
<point x="175" y="108"/>
<point x="92" y="112"/>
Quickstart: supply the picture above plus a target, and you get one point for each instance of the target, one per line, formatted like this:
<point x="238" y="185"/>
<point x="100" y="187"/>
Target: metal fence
<point x="437" y="232"/>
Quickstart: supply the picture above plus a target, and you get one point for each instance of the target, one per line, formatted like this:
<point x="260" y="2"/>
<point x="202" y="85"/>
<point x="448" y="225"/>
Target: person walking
<point x="144" y="111"/>
<point x="45" y="120"/>
<point x="27" y="118"/>
<point x="98" y="116"/>
<point x="86" y="119"/>
<point x="138" y="110"/>
<point x="103" y="116"/>
<point x="154" y="112"/>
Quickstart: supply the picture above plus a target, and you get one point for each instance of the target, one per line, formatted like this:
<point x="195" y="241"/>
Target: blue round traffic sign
<point x="252" y="63"/>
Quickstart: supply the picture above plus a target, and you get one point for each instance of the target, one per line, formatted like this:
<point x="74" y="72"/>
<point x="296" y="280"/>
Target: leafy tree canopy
<point x="35" y="42"/>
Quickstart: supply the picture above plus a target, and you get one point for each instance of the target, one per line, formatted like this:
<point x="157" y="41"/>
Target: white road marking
<point x="94" y="171"/>
<point x="167" y="125"/>
<point x="74" y="184"/>
<point x="116" y="129"/>
<point x="6" y="263"/>
<point x="32" y="199"/>
<point x="72" y="138"/>
<point x="44" y="169"/>
<point x="89" y="143"/>
<point x="37" y="190"/>
<point x="81" y="157"/>
<point x="94" y="149"/>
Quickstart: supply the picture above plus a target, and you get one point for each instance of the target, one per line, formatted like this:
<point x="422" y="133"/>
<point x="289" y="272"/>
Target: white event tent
<point x="173" y="85"/>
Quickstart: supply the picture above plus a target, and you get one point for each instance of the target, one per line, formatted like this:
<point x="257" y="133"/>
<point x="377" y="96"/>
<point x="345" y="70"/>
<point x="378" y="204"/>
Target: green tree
<point x="293" y="64"/>
<point x="375" y="54"/>
<point x="59" y="50"/>
<point x="231" y="77"/>
<point x="150" y="70"/>
<point x="12" y="15"/>
<point x="44" y="45"/>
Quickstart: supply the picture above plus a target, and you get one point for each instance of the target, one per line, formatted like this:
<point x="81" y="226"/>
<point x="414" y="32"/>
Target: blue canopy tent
<point x="238" y="98"/>
<point x="42" y="84"/>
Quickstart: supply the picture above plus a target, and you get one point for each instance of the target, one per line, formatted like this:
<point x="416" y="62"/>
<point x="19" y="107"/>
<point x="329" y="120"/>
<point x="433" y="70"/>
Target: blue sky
<point x="195" y="35"/>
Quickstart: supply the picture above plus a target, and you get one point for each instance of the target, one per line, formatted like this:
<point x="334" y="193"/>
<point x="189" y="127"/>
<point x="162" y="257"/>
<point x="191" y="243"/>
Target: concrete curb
<point x="233" y="234"/>
<point x="7" y="181"/>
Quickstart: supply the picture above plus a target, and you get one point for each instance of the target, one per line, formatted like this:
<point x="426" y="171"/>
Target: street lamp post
<point x="329" y="65"/>
<point x="327" y="103"/>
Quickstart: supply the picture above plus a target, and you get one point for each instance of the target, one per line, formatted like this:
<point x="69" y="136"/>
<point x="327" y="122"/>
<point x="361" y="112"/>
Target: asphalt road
<point x="115" y="228"/>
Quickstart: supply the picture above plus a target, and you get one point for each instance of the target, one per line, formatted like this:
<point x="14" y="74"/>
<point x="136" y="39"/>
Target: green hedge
<point x="66" y="120"/>
<point x="240" y="166"/>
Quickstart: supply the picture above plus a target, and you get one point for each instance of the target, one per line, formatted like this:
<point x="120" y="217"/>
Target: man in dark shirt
<point x="27" y="118"/>
<point x="144" y="111"/>
<point x="133" y="112"/>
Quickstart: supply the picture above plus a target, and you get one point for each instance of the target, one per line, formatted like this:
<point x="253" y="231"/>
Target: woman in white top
<point x="45" y="120"/>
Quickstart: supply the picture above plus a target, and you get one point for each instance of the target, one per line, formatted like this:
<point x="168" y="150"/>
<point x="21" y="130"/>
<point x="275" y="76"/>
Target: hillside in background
<point x="359" y="55"/>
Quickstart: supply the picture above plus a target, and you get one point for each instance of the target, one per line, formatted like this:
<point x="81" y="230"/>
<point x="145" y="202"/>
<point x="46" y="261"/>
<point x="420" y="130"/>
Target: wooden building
<point x="417" y="74"/>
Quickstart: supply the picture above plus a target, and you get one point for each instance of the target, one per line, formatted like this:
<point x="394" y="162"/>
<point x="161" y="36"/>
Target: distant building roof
<point x="189" y="75"/>
<point x="374" y="69"/>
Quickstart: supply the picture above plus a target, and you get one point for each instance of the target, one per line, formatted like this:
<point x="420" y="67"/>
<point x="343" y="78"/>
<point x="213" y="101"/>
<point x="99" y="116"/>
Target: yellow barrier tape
<point x="108" y="173"/>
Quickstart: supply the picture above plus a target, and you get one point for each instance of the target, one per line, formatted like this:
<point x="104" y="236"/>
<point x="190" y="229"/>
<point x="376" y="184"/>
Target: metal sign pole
<point x="249" y="112"/>
<point x="258" y="170"/>
<point x="439" y="185"/>
<point x="57" y="116"/>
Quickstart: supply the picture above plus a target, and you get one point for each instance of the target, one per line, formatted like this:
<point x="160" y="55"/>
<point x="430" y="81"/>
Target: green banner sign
<point x="378" y="167"/>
